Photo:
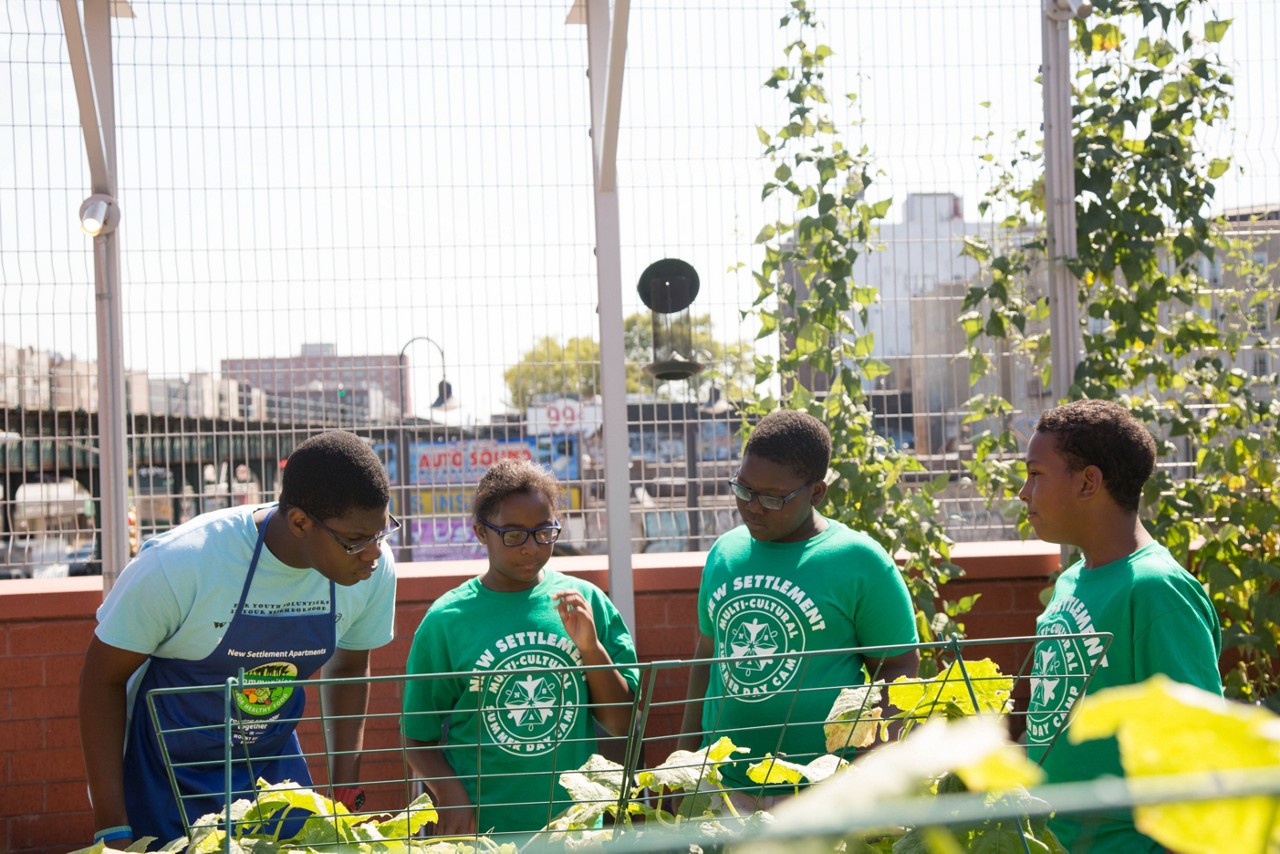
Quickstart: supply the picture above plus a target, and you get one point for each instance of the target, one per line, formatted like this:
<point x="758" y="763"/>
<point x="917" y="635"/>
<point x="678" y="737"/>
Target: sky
<point x="365" y="173"/>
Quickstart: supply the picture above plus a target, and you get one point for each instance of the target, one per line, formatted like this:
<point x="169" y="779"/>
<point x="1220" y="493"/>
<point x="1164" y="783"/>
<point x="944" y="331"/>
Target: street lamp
<point x="444" y="398"/>
<point x="444" y="402"/>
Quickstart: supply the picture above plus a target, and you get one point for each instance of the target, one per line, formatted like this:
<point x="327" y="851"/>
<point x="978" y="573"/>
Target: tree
<point x="729" y="365"/>
<point x="573" y="369"/>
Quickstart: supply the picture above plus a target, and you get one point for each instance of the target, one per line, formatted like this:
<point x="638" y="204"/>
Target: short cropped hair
<point x="793" y="439"/>
<point x="513" y="476"/>
<point x="1104" y="434"/>
<point x="331" y="473"/>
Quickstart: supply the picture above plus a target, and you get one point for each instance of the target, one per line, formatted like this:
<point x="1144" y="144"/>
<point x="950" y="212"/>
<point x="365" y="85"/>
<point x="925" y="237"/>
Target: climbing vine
<point x="1175" y="308"/>
<point x="807" y="296"/>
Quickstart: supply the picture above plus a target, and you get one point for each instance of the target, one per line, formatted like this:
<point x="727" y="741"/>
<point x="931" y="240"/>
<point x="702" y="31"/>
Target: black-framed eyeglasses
<point x="518" y="536"/>
<point x="355" y="548"/>
<point x="768" y="502"/>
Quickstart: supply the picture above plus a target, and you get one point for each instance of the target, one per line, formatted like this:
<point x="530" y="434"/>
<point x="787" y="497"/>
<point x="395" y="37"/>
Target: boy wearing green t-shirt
<point x="789" y="580"/>
<point x="1086" y="465"/>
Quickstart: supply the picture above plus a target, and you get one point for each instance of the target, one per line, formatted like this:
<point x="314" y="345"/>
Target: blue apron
<point x="264" y="741"/>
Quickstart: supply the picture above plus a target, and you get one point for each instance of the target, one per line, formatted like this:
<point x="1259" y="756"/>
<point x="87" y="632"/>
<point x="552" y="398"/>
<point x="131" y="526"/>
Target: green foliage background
<point x="807" y="296"/>
<point x="1159" y="335"/>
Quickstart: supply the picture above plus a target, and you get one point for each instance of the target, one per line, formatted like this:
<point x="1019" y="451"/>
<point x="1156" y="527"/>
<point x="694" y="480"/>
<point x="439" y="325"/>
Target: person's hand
<point x="457" y="814"/>
<point x="577" y="618"/>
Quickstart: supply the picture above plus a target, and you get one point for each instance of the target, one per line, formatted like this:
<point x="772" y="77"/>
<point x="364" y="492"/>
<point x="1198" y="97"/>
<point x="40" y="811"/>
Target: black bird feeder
<point x="668" y="287"/>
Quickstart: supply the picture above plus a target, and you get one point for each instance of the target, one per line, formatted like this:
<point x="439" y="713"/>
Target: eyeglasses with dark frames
<point x="768" y="502"/>
<point x="519" y="536"/>
<point x="355" y="548"/>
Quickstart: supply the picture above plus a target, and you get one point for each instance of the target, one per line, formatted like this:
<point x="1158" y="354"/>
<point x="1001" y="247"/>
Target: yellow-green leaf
<point x="1215" y="30"/>
<point x="1164" y="727"/>
<point x="1001" y="770"/>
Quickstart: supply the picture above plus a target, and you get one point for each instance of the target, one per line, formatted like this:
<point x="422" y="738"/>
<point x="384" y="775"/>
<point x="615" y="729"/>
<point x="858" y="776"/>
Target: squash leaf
<point x="853" y="718"/>
<point x="685" y="769"/>
<point x="1165" y="727"/>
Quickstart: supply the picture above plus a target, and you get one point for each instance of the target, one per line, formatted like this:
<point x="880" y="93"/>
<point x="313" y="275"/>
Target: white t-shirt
<point x="177" y="601"/>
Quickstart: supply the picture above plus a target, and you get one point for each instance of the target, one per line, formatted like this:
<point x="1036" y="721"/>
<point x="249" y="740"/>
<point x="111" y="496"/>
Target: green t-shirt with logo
<point x="522" y="719"/>
<point x="836" y="590"/>
<point x="1162" y="622"/>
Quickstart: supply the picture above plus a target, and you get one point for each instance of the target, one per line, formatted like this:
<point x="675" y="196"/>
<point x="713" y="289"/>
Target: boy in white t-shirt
<point x="278" y="591"/>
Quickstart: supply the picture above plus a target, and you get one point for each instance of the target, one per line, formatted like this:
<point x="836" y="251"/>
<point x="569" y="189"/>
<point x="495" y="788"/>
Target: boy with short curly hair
<point x="1087" y="463"/>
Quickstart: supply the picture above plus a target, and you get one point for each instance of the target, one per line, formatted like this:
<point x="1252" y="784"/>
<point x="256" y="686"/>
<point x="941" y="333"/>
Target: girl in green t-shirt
<point x="502" y="704"/>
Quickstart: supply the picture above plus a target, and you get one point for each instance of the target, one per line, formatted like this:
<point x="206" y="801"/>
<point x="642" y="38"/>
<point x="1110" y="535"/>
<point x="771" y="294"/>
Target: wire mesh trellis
<point x="308" y="189"/>
<point x="967" y="685"/>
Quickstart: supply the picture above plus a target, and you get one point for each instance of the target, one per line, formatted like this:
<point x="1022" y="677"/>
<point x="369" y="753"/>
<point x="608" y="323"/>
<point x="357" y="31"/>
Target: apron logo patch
<point x="259" y="701"/>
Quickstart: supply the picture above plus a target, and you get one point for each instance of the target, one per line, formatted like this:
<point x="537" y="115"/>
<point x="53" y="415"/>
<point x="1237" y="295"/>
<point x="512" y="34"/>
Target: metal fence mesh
<point x="341" y="215"/>
<point x="536" y="723"/>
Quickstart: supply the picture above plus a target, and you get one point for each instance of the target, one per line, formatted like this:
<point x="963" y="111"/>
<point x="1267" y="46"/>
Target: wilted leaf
<point x="599" y="779"/>
<point x="407" y="824"/>
<point x="853" y="718"/>
<point x="685" y="769"/>
<point x="772" y="770"/>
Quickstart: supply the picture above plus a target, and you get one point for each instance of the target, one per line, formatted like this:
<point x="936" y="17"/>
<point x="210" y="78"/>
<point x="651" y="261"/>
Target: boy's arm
<point x="345" y="707"/>
<point x="103" y="711"/>
<point x="695" y="698"/>
<point x="890" y="668"/>
<point x="457" y="813"/>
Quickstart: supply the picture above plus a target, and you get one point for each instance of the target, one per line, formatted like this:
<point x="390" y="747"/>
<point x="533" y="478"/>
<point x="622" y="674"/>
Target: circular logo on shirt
<point x="1057" y="675"/>
<point x="757" y="626"/>
<point x="259" y="701"/>
<point x="529" y="703"/>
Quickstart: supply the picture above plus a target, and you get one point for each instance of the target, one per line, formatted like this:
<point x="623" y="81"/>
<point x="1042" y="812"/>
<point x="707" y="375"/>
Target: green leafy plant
<point x="1173" y="304"/>
<point x="325" y="825"/>
<point x="808" y="298"/>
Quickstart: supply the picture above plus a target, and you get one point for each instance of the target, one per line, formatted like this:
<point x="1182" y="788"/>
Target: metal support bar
<point x="1060" y="189"/>
<point x="606" y="100"/>
<point x="89" y="52"/>
<point x="603" y="52"/>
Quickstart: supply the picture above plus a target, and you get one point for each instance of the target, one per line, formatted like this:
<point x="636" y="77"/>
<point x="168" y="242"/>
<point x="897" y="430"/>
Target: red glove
<point x="351" y="797"/>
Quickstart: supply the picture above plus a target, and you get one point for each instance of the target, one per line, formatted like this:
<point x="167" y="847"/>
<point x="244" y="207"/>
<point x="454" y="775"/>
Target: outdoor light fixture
<point x="445" y="400"/>
<point x="715" y="404"/>
<point x="444" y="396"/>
<point x="99" y="214"/>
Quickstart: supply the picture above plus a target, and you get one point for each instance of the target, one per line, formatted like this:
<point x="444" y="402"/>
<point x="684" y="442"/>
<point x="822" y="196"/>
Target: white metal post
<point x="89" y="52"/>
<point x="606" y="47"/>
<point x="1060" y="188"/>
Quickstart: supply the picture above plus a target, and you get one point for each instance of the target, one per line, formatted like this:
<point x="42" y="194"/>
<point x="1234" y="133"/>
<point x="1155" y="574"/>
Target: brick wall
<point x="45" y="627"/>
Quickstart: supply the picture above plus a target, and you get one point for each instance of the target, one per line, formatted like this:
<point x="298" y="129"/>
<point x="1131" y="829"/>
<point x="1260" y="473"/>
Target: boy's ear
<point x="819" y="493"/>
<point x="298" y="521"/>
<point x="1091" y="482"/>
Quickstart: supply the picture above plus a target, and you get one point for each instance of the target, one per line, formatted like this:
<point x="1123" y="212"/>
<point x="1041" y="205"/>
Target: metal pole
<point x="406" y="548"/>
<point x="89" y="52"/>
<point x="1060" y="188"/>
<point x="1060" y="194"/>
<point x="606" y="52"/>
